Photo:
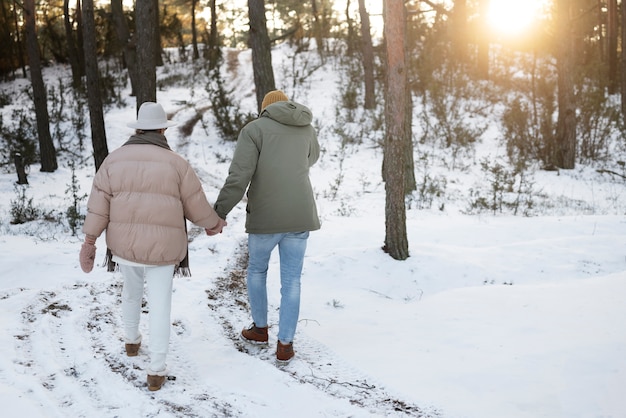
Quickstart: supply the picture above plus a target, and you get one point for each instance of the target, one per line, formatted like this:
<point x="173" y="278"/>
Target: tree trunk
<point x="368" y="57"/>
<point x="459" y="28"/>
<point x="565" y="141"/>
<point x="47" y="152"/>
<point x="19" y="168"/>
<point x="317" y="29"/>
<point x="80" y="46"/>
<point x="156" y="32"/>
<point x="194" y="32"/>
<point x="145" y="16"/>
<point x="128" y="45"/>
<point x="623" y="61"/>
<point x="72" y="50"/>
<point x="18" y="40"/>
<point x="350" y="40"/>
<point x="396" y="241"/>
<point x="7" y="30"/>
<point x="483" y="43"/>
<point x="214" y="47"/>
<point x="94" y="99"/>
<point x="600" y="32"/>
<point x="261" y="51"/>
<point x="410" y="184"/>
<point x="612" y="25"/>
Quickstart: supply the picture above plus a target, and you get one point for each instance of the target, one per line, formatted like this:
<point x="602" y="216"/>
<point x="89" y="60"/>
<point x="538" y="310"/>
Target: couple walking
<point x="144" y="193"/>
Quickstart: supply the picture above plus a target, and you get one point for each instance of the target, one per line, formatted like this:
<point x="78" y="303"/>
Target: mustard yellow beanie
<point x="273" y="97"/>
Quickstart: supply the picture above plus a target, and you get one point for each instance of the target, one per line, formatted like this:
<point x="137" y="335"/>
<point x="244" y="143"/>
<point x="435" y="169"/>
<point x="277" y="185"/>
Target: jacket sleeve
<point x="314" y="148"/>
<point x="98" y="204"/>
<point x="240" y="173"/>
<point x="195" y="204"/>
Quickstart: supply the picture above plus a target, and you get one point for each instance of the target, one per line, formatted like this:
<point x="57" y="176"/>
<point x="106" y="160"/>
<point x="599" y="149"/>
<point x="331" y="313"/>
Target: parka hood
<point x="288" y="113"/>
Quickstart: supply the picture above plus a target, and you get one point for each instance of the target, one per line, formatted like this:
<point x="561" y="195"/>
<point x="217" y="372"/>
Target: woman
<point x="142" y="195"/>
<point x="271" y="164"/>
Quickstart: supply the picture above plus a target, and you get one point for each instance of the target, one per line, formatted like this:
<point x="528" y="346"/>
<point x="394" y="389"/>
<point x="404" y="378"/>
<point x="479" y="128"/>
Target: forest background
<point x="567" y="108"/>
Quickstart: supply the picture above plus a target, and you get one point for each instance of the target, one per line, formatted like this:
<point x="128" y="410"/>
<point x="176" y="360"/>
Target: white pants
<point x="159" y="294"/>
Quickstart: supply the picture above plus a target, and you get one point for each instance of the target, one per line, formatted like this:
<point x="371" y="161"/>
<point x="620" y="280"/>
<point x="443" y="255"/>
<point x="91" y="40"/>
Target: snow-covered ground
<point x="489" y="317"/>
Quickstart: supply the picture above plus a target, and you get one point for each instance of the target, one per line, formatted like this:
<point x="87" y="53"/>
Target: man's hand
<point x="217" y="229"/>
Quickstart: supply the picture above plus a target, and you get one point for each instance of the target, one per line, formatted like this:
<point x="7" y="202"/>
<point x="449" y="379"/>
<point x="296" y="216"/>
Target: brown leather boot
<point x="284" y="352"/>
<point x="155" y="382"/>
<point x="255" y="334"/>
<point x="132" y="349"/>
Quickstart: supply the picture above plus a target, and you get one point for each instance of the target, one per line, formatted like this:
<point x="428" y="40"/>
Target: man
<point x="271" y="161"/>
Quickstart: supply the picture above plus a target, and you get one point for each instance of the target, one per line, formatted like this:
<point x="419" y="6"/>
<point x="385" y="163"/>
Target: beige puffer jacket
<point x="141" y="195"/>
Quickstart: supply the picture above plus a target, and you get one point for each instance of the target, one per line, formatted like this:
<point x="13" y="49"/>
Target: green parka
<point x="272" y="160"/>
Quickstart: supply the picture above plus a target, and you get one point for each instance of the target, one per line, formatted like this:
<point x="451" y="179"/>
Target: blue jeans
<point x="291" y="249"/>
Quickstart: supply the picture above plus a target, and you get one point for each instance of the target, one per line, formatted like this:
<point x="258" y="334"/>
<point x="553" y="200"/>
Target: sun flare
<point x="511" y="17"/>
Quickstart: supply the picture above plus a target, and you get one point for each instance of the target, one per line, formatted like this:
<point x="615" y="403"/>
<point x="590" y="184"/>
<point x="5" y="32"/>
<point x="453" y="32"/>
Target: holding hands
<point x="217" y="229"/>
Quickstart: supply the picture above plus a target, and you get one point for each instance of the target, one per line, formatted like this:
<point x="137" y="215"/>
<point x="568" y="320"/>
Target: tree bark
<point x="368" y="57"/>
<point x="214" y="47"/>
<point x="8" y="28"/>
<point x="194" y="32"/>
<point x="128" y="45"/>
<point x="156" y="32"/>
<point x="565" y="141"/>
<point x="623" y="62"/>
<point x="261" y="51"/>
<point x="396" y="241"/>
<point x="145" y="15"/>
<point x="459" y="28"/>
<point x="351" y="35"/>
<point x="47" y="152"/>
<point x="80" y="45"/>
<point x="410" y="184"/>
<point x="601" y="25"/>
<point x="19" y="168"/>
<point x="612" y="25"/>
<point x="94" y="98"/>
<point x="317" y="29"/>
<point x="18" y="41"/>
<point x="72" y="50"/>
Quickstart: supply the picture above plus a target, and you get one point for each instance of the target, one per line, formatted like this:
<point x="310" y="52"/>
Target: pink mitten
<point x="87" y="254"/>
